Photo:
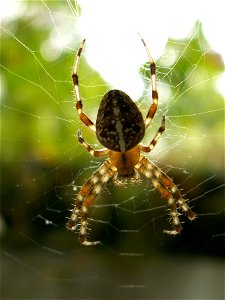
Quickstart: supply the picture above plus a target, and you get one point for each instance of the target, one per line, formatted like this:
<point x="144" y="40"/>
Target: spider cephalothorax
<point x="120" y="127"/>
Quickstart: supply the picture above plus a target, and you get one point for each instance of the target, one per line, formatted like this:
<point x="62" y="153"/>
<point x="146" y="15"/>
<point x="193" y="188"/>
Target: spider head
<point x="119" y="125"/>
<point x="125" y="161"/>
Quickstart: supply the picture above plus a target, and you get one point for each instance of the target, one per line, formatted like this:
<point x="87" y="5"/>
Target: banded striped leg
<point x="168" y="190"/>
<point x="95" y="153"/>
<point x="154" y="105"/>
<point x="168" y="183"/>
<point x="155" y="139"/>
<point x="85" y="198"/>
<point x="84" y="118"/>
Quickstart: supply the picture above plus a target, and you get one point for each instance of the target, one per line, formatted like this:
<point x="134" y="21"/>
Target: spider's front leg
<point x="85" y="198"/>
<point x="169" y="191"/>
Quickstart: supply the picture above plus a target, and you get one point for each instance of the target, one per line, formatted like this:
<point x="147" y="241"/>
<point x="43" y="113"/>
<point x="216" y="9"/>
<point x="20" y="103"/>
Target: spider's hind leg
<point x="154" y="105"/>
<point x="154" y="141"/>
<point x="79" y="106"/>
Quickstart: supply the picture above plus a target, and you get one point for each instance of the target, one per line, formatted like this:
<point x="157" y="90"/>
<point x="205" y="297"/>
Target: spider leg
<point x="169" y="192"/>
<point x="154" y="105"/>
<point x="84" y="118"/>
<point x="95" y="153"/>
<point x="85" y="198"/>
<point x="155" y="139"/>
<point x="175" y="191"/>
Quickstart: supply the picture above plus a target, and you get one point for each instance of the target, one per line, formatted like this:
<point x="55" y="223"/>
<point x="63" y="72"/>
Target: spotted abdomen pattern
<point x="119" y="125"/>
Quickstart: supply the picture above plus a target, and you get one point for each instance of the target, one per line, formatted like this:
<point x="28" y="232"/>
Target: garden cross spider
<point x="120" y="128"/>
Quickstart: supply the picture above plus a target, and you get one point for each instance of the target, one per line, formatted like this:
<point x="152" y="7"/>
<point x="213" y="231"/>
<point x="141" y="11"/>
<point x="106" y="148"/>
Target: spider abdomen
<point x="119" y="125"/>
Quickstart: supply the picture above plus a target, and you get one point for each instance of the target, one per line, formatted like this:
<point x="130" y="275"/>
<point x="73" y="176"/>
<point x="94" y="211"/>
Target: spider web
<point x="43" y="166"/>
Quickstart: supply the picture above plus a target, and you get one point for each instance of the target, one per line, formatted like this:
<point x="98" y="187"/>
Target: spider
<point x="120" y="128"/>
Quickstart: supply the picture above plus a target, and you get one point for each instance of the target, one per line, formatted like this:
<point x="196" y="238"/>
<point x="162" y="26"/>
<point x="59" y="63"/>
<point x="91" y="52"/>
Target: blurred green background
<point x="42" y="167"/>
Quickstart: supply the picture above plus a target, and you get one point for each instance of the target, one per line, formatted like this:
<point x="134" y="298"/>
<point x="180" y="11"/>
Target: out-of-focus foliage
<point x="37" y="94"/>
<point x="43" y="167"/>
<point x="40" y="154"/>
